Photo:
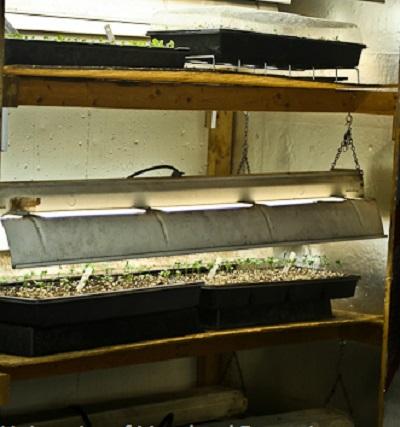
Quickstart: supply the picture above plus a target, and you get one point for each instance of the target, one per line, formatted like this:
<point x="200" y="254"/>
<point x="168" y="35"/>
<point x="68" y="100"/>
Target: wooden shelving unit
<point x="193" y="90"/>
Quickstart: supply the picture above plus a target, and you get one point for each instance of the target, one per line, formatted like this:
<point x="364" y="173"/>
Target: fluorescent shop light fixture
<point x="36" y="241"/>
<point x="65" y="222"/>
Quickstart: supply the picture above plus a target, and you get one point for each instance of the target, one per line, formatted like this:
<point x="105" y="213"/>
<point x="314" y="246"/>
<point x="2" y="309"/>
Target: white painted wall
<point x="75" y="143"/>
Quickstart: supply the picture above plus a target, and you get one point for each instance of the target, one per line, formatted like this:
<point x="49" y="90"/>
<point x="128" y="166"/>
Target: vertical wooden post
<point x="220" y="145"/>
<point x="390" y="361"/>
<point x="2" y="55"/>
<point x="4" y="389"/>
<point x="2" y="44"/>
<point x="4" y="378"/>
<point x="210" y="368"/>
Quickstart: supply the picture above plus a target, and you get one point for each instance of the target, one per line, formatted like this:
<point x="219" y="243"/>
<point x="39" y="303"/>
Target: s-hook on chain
<point x="348" y="143"/>
<point x="244" y="165"/>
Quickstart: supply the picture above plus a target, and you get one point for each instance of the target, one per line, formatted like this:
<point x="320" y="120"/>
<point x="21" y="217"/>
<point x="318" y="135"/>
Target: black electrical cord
<point x="167" y="421"/>
<point x="85" y="418"/>
<point x="175" y="172"/>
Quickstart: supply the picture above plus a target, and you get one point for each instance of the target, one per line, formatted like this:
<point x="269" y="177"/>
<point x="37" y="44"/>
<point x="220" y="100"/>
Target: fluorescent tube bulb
<point x="213" y="207"/>
<point x="289" y="202"/>
<point x="90" y="212"/>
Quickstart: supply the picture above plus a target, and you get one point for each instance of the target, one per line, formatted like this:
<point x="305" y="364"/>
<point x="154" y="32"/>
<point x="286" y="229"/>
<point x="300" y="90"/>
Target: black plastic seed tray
<point x="231" y="46"/>
<point x="237" y="305"/>
<point x="76" y="54"/>
<point x="97" y="307"/>
<point x="38" y="341"/>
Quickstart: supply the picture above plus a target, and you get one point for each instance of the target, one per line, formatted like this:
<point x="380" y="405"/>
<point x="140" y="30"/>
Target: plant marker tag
<point x="4" y="129"/>
<point x="214" y="120"/>
<point x="109" y="33"/>
<point x="214" y="269"/>
<point x="292" y="257"/>
<point x="85" y="277"/>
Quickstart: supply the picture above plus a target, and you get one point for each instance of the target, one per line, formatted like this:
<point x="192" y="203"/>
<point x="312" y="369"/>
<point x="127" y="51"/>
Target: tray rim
<point x="289" y="283"/>
<point x="179" y="49"/>
<point x="99" y="295"/>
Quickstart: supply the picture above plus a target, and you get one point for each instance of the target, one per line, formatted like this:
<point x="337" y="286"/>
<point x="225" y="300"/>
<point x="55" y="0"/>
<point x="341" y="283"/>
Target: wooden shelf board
<point x="182" y="77"/>
<point x="345" y="325"/>
<point x="188" y="90"/>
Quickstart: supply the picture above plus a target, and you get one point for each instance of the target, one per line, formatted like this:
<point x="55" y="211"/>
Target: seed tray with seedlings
<point x="70" y="287"/>
<point x="65" y="301"/>
<point x="272" y="275"/>
<point x="75" y="52"/>
<point x="276" y="291"/>
<point x="51" y="316"/>
<point x="249" y="47"/>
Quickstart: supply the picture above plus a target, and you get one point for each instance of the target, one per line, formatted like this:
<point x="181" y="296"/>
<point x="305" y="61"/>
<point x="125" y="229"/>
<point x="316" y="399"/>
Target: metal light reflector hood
<point x="36" y="241"/>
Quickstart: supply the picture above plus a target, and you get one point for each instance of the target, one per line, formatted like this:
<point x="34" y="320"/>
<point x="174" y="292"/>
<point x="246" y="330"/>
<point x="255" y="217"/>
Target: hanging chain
<point x="348" y="143"/>
<point x="232" y="362"/>
<point x="339" y="381"/>
<point x="244" y="165"/>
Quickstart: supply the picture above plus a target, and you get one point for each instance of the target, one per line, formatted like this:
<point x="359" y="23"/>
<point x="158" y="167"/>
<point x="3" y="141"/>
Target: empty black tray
<point x="230" y="46"/>
<point x="38" y="341"/>
<point x="238" y="305"/>
<point x="96" y="307"/>
<point x="52" y="53"/>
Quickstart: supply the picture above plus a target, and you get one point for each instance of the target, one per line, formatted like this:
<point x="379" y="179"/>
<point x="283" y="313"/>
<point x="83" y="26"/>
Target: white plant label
<point x="85" y="277"/>
<point x="213" y="271"/>
<point x="292" y="258"/>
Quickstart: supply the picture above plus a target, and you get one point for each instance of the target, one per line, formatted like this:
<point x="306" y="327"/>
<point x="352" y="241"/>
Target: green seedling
<point x="228" y="266"/>
<point x="324" y="261"/>
<point x="197" y="266"/>
<point x="160" y="43"/>
<point x="166" y="274"/>
<point x="270" y="262"/>
<point x="338" y="263"/>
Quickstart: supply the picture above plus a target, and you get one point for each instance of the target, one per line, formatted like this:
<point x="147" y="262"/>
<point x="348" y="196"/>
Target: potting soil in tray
<point x="271" y="296"/>
<point x="78" y="54"/>
<point x="231" y="46"/>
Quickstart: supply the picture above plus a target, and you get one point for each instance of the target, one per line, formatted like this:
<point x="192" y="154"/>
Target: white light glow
<point x="214" y="207"/>
<point x="4" y="246"/>
<point x="290" y="202"/>
<point x="93" y="212"/>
